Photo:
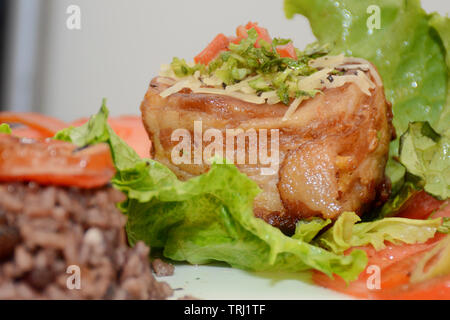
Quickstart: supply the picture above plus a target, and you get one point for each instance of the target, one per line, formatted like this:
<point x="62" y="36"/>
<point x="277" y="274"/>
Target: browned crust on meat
<point x="345" y="126"/>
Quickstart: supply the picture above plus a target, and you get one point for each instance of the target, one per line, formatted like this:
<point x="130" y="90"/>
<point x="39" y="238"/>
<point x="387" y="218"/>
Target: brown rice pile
<point x="48" y="234"/>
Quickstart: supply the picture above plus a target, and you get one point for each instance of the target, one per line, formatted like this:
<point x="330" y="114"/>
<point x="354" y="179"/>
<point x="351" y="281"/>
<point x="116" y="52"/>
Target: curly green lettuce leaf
<point x="347" y="232"/>
<point x="442" y="26"/>
<point x="307" y="230"/>
<point x="92" y="132"/>
<point x="411" y="51"/>
<point x="445" y="227"/>
<point x="97" y="130"/>
<point x="435" y="263"/>
<point x="4" y="128"/>
<point x="426" y="168"/>
<point x="406" y="50"/>
<point x="208" y="218"/>
<point x="426" y="154"/>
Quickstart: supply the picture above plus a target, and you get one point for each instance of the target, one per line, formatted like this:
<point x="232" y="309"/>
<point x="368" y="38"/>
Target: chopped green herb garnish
<point x="270" y="71"/>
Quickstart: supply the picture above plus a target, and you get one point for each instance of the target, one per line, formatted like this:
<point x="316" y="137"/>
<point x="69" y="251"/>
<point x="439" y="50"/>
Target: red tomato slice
<point x="27" y="132"/>
<point x="287" y="51"/>
<point x="37" y="126"/>
<point x="241" y="33"/>
<point x="263" y="34"/>
<point x="396" y="262"/>
<point x="44" y="125"/>
<point x="234" y="40"/>
<point x="219" y="44"/>
<point x="435" y="289"/>
<point x="443" y="212"/>
<point x="420" y="206"/>
<point x="54" y="162"/>
<point x="132" y="131"/>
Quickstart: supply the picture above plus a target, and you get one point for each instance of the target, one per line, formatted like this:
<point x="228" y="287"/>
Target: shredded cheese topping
<point x="325" y="77"/>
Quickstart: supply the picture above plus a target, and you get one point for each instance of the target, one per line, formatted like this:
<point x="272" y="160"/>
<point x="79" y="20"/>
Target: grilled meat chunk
<point x="332" y="150"/>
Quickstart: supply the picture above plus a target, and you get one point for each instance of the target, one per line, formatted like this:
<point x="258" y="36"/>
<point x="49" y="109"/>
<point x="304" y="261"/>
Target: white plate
<point x="225" y="283"/>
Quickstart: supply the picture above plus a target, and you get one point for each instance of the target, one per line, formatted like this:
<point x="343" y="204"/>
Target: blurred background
<point x="47" y="67"/>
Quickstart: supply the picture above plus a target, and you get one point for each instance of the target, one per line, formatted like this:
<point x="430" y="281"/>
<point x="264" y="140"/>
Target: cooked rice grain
<point x="44" y="230"/>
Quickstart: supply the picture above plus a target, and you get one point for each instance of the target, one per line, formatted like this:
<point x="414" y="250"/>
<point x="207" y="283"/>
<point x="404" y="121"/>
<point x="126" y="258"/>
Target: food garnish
<point x="255" y="68"/>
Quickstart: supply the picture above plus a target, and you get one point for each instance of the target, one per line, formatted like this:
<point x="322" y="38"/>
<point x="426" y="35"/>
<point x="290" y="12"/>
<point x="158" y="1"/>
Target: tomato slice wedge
<point x="420" y="206"/>
<point x="41" y="125"/>
<point x="131" y="129"/>
<point x="36" y="126"/>
<point x="219" y="44"/>
<point x="27" y="132"/>
<point x="53" y="162"/>
<point x="263" y="34"/>
<point x="287" y="51"/>
<point x="435" y="289"/>
<point x="396" y="262"/>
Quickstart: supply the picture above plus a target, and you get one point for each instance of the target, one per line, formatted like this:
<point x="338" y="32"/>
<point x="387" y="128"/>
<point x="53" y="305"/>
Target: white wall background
<point x="123" y="42"/>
